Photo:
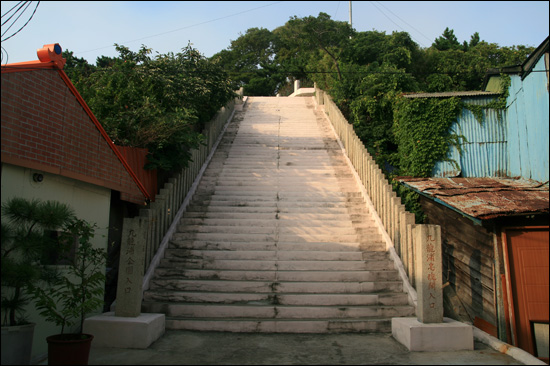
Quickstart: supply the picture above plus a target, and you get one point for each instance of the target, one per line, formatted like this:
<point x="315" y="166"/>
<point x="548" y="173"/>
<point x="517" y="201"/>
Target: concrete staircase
<point x="278" y="238"/>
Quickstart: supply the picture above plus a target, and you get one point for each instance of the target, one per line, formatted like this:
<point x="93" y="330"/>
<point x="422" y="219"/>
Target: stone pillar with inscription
<point x="430" y="331"/>
<point x="130" y="271"/>
<point x="429" y="271"/>
<point x="127" y="327"/>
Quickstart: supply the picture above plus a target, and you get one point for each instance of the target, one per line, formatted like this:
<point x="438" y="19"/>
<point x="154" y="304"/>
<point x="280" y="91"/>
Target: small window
<point x="54" y="255"/>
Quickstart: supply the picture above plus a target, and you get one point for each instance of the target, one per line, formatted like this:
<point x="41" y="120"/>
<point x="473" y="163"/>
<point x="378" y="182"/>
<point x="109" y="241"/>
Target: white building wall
<point x="89" y="202"/>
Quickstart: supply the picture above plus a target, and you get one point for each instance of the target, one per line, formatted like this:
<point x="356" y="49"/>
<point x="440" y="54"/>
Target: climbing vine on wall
<point x="422" y="132"/>
<point x="499" y="104"/>
<point x="422" y="129"/>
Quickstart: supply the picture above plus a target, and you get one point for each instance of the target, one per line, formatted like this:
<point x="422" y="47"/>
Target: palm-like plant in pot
<point x="24" y="239"/>
<point x="74" y="295"/>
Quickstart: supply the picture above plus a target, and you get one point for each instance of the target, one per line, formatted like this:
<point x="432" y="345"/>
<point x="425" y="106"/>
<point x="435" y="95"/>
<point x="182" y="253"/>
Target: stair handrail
<point x="146" y="236"/>
<point x="395" y="222"/>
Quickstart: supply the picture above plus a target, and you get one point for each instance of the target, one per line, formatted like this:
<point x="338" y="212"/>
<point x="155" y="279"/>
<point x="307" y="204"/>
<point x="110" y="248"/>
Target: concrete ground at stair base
<point x="120" y="332"/>
<point x="450" y="335"/>
<point x="179" y="347"/>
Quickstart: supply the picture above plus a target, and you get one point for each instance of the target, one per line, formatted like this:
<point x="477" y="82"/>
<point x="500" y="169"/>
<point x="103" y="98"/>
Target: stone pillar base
<point x="450" y="335"/>
<point x="121" y="332"/>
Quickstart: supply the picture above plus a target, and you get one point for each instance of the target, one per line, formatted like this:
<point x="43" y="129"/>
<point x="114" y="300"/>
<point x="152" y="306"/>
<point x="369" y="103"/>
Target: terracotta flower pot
<point x="69" y="349"/>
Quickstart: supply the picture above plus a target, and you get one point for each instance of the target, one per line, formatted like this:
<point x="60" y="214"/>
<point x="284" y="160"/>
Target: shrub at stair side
<point x="77" y="293"/>
<point x="24" y="239"/>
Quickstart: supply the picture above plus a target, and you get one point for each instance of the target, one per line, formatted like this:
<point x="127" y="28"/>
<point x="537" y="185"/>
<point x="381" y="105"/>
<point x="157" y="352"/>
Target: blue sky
<point x="90" y="28"/>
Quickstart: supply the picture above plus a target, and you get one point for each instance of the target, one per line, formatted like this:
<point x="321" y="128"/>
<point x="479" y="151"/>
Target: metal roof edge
<point x="460" y="94"/>
<point x="437" y="200"/>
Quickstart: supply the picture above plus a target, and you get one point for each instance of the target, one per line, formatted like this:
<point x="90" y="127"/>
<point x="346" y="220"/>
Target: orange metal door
<point x="528" y="262"/>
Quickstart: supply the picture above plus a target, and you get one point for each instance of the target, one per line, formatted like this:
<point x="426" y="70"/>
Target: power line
<point x="187" y="27"/>
<point x="336" y="12"/>
<point x="404" y="21"/>
<point x="6" y="13"/>
<point x="384" y="14"/>
<point x="13" y="23"/>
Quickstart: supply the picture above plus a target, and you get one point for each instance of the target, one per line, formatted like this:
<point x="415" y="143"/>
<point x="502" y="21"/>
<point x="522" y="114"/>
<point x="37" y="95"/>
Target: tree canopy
<point x="160" y="103"/>
<point x="366" y="73"/>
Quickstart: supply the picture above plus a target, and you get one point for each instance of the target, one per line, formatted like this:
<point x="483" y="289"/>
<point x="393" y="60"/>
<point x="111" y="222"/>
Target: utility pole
<point x="350" y="23"/>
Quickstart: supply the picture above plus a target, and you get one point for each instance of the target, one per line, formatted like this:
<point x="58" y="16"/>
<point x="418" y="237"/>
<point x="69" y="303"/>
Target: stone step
<point x="272" y="245"/>
<point x="283" y="326"/>
<point x="271" y="265"/>
<point x="178" y="243"/>
<point x="299" y="276"/>
<point x="278" y="312"/>
<point x="277" y="220"/>
<point x="277" y="237"/>
<point x="283" y="205"/>
<point x="279" y="287"/>
<point x="313" y="217"/>
<point x="274" y="228"/>
<point x="261" y="299"/>
<point x="251" y="212"/>
<point x="257" y="236"/>
<point x="229" y="215"/>
<point x="273" y="194"/>
<point x="354" y="255"/>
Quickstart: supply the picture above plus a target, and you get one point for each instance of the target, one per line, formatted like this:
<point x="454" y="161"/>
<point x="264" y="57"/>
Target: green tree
<point x="449" y="66"/>
<point x="76" y="68"/>
<point x="310" y="34"/>
<point x="24" y="242"/>
<point x="447" y="41"/>
<point x="250" y="62"/>
<point x="159" y="103"/>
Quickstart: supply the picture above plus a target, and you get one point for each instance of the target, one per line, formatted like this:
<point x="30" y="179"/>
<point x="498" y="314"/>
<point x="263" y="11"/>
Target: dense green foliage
<point x="79" y="291"/>
<point x="421" y="131"/>
<point x="24" y="242"/>
<point x="366" y="73"/>
<point x="160" y="103"/>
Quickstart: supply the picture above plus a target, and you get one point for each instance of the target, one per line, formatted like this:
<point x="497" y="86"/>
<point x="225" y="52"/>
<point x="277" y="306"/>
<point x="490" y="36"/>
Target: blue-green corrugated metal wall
<point x="484" y="146"/>
<point x="514" y="146"/>
<point x="528" y="121"/>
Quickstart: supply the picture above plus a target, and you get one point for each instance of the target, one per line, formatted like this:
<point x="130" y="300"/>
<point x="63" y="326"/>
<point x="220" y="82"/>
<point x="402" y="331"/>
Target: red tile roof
<point x="46" y="125"/>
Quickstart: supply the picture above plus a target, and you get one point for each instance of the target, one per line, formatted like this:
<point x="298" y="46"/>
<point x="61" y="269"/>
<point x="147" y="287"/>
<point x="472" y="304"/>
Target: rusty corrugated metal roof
<point x="484" y="198"/>
<point x="450" y="94"/>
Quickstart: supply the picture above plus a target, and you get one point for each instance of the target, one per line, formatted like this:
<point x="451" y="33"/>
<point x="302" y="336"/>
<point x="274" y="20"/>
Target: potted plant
<point x="23" y="241"/>
<point x="78" y="292"/>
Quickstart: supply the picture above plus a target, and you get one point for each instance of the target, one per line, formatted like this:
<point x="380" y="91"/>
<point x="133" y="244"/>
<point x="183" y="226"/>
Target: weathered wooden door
<point x="528" y="259"/>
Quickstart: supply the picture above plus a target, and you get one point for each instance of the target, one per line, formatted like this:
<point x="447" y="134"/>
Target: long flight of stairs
<point x="277" y="237"/>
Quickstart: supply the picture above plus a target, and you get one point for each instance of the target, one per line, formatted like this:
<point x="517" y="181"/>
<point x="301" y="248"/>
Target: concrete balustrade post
<point x="397" y="207"/>
<point x="391" y="213"/>
<point x="410" y="255"/>
<point x="147" y="217"/>
<point x="406" y="220"/>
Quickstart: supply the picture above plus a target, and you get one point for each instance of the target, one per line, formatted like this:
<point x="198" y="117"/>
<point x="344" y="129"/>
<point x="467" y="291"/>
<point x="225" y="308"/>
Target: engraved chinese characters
<point x="427" y="239"/>
<point x="130" y="277"/>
